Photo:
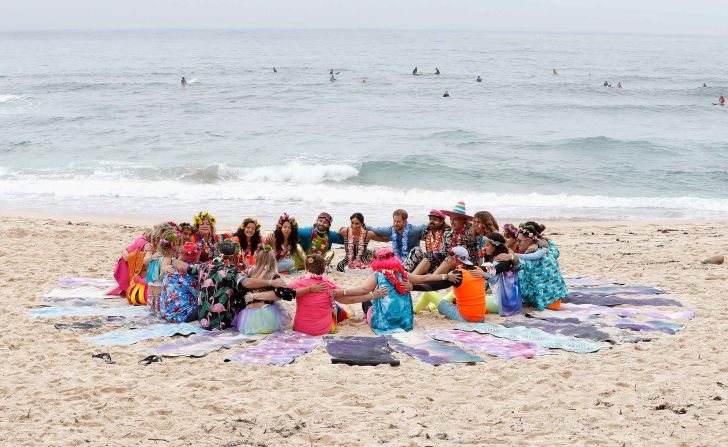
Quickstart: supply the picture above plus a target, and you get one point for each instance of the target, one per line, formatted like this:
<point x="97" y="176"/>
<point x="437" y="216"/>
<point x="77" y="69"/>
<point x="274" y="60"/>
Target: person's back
<point x="393" y="312"/>
<point x="470" y="296"/>
<point x="314" y="309"/>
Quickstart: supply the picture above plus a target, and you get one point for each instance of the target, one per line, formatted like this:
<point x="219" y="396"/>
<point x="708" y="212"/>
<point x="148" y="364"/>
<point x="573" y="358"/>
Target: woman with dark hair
<point x="542" y="285"/>
<point x="248" y="236"/>
<point x="284" y="241"/>
<point x="356" y="238"/>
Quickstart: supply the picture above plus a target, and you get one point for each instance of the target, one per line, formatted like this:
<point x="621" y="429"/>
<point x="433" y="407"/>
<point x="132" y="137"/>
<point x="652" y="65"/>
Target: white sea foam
<point x="10" y="98"/>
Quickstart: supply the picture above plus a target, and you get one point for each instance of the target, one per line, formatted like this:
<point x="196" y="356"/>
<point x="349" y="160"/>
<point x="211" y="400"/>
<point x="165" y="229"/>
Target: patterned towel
<point x="360" y="351"/>
<point x="280" y="348"/>
<point x="88" y="311"/>
<point x="80" y="292"/>
<point x="546" y="340"/>
<point x="200" y="344"/>
<point x="425" y="349"/>
<point x="624" y="312"/>
<point x="579" y="330"/>
<point x="93" y="282"/>
<point x="497" y="347"/>
<point x="619" y="290"/>
<point x="614" y="300"/>
<point x="123" y="337"/>
<point x="667" y="327"/>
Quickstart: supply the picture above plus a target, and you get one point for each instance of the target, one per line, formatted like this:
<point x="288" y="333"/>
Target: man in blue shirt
<point x="404" y="236"/>
<point x="318" y="239"/>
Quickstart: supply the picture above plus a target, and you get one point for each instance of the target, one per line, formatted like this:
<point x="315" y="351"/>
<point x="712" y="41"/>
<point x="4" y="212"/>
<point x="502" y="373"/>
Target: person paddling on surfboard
<point x="414" y="72"/>
<point x="437" y="71"/>
<point x="184" y="81"/>
<point x="478" y="79"/>
<point x="446" y="95"/>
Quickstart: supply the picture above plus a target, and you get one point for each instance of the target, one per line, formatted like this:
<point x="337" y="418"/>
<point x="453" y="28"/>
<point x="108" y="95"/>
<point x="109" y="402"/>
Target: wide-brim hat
<point x="458" y="211"/>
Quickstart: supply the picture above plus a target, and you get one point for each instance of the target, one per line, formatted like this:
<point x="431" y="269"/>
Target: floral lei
<point x="433" y="240"/>
<point x="355" y="263"/>
<point x="396" y="282"/>
<point x="401" y="249"/>
<point x="318" y="243"/>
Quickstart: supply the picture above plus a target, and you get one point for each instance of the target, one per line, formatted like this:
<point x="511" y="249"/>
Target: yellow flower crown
<point x="203" y="216"/>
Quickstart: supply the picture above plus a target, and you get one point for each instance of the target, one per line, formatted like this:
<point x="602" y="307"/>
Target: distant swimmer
<point x="332" y="78"/>
<point x="556" y="73"/>
<point x="437" y="71"/>
<point x="331" y="72"/>
<point x="363" y="81"/>
<point x="705" y="85"/>
<point x="607" y="84"/>
<point x="478" y="79"/>
<point x="184" y="81"/>
<point x="619" y="85"/>
<point x="414" y="72"/>
<point x="721" y="100"/>
<point x="447" y="95"/>
<point x="274" y="70"/>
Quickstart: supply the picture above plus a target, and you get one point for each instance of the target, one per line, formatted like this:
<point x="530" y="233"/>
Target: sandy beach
<point x="670" y="391"/>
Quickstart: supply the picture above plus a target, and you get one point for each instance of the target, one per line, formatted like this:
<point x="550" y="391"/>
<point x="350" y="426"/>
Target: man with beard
<point x="404" y="236"/>
<point x="425" y="261"/>
<point x="462" y="235"/>
<point x="318" y="239"/>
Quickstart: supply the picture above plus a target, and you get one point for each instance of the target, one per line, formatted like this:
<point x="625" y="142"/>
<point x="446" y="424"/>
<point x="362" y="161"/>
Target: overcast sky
<point x="702" y="17"/>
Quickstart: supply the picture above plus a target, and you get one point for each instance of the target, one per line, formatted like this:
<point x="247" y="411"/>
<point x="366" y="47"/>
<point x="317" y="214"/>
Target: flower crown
<point x="184" y="225"/>
<point x="285" y="217"/>
<point x="249" y="220"/>
<point x="528" y="231"/>
<point x="510" y="229"/>
<point x="169" y="238"/>
<point x="203" y="216"/>
<point x="265" y="247"/>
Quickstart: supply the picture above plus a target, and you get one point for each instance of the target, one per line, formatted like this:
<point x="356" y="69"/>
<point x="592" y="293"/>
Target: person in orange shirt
<point x="468" y="288"/>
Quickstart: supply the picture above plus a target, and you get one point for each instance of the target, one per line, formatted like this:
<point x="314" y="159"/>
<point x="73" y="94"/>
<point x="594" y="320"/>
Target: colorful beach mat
<point x="497" y="347"/>
<point x="280" y="348"/>
<point x="124" y="337"/>
<point x="89" y="311"/>
<point x="93" y="282"/>
<point x="613" y="300"/>
<point x="427" y="350"/>
<point x="79" y="292"/>
<point x="606" y="321"/>
<point x="360" y="351"/>
<point x="618" y="290"/>
<point x="544" y="339"/>
<point x="579" y="330"/>
<point x="203" y="343"/>
<point x="625" y="312"/>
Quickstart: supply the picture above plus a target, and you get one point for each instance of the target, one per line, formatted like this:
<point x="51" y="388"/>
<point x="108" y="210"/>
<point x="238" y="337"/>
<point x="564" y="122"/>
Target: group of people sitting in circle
<point x="187" y="272"/>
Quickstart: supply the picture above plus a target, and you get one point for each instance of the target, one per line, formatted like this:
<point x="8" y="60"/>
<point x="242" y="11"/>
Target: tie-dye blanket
<point x="360" y="351"/>
<point x="613" y="300"/>
<point x="625" y="312"/>
<point x="280" y="348"/>
<point x="588" y="282"/>
<point x="203" y="343"/>
<point x="93" y="282"/>
<point x="497" y="347"/>
<point x="544" y="339"/>
<point x="123" y="337"/>
<point x="667" y="327"/>
<point x="425" y="349"/>
<point x="89" y="311"/>
<point x="79" y="292"/>
<point x="618" y="290"/>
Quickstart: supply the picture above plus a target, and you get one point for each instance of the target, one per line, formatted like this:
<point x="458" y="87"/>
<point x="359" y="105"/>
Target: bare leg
<point x="445" y="267"/>
<point x="422" y="268"/>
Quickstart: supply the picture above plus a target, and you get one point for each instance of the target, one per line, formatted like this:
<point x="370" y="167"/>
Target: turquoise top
<point x="540" y="277"/>
<point x="391" y="313"/>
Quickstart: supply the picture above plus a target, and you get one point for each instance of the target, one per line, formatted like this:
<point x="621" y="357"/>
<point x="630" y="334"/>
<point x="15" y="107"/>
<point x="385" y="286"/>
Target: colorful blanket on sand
<point x="586" y="330"/>
<point x="588" y="282"/>
<point x="618" y="290"/>
<point x="89" y="311"/>
<point x="203" y="343"/>
<point x="544" y="339"/>
<point x="614" y="300"/>
<point x="79" y="292"/>
<point x="93" y="282"/>
<point x="497" y="347"/>
<point x="280" y="348"/>
<point x="625" y="312"/>
<point x="667" y="327"/>
<point x="360" y="351"/>
<point x="124" y="337"/>
<point x="425" y="349"/>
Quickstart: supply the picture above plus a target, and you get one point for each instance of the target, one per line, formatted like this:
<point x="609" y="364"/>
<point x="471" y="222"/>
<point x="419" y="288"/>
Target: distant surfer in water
<point x="332" y="78"/>
<point x="721" y="100"/>
<point x="183" y="81"/>
<point x="705" y="85"/>
<point x="274" y="70"/>
<point x="447" y="95"/>
<point x="478" y="79"/>
<point x="556" y="73"/>
<point x="437" y="71"/>
<point x="619" y="85"/>
<point x="414" y="72"/>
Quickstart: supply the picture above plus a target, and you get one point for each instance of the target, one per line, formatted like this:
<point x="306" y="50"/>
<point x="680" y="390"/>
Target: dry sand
<point x="53" y="393"/>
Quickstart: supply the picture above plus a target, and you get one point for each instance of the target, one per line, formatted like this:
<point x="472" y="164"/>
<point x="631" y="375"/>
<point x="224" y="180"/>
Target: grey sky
<point x="624" y="16"/>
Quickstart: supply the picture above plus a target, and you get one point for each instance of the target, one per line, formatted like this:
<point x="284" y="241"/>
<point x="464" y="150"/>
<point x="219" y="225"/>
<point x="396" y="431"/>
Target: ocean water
<point x="98" y="122"/>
